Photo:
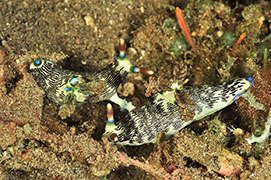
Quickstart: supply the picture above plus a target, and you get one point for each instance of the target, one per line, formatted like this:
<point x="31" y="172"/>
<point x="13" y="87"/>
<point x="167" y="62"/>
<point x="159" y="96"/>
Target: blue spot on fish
<point x="135" y="69"/>
<point x="67" y="89"/>
<point x="250" y="79"/>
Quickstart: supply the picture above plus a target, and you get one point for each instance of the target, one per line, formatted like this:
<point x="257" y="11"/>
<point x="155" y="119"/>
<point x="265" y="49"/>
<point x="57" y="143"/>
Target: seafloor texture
<point x="36" y="143"/>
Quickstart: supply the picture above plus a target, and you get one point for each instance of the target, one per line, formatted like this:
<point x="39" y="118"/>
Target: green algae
<point x="228" y="39"/>
<point x="178" y="46"/>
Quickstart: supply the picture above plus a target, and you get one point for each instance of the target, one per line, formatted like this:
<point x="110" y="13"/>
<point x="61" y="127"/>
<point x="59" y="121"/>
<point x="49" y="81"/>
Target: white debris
<point x="265" y="134"/>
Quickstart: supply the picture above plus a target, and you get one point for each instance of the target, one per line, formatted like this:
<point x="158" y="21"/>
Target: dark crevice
<point x="11" y="83"/>
<point x="233" y="3"/>
<point x="193" y="164"/>
<point x="69" y="121"/>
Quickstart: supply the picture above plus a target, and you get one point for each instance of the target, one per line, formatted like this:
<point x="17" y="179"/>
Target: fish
<point x="66" y="86"/>
<point x="70" y="87"/>
<point x="170" y="111"/>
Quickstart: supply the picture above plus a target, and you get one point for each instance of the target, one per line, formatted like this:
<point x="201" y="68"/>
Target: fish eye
<point x="37" y="62"/>
<point x="114" y="137"/>
<point x="74" y="81"/>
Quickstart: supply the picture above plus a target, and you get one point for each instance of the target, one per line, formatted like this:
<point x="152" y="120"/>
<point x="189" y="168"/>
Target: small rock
<point x="90" y="22"/>
<point x="126" y="89"/>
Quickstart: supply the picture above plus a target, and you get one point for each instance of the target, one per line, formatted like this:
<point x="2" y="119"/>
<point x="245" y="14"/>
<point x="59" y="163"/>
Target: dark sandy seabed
<point x="35" y="143"/>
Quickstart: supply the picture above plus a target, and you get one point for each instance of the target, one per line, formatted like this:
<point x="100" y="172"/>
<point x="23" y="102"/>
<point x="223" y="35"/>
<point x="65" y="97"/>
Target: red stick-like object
<point x="242" y="36"/>
<point x="184" y="27"/>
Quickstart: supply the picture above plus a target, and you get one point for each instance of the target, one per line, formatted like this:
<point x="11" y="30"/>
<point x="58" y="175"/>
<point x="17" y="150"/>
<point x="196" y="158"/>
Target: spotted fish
<point x="65" y="86"/>
<point x="171" y="111"/>
<point x="62" y="86"/>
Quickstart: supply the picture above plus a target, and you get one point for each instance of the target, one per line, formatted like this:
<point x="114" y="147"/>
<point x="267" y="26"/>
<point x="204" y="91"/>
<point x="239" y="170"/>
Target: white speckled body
<point x="162" y="113"/>
<point x="54" y="80"/>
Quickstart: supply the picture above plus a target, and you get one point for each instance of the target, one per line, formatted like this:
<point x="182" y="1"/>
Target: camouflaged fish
<point x="62" y="86"/>
<point x="171" y="111"/>
<point x="65" y="86"/>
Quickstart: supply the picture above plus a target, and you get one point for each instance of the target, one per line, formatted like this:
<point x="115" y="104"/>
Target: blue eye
<point x="37" y="62"/>
<point x="74" y="81"/>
